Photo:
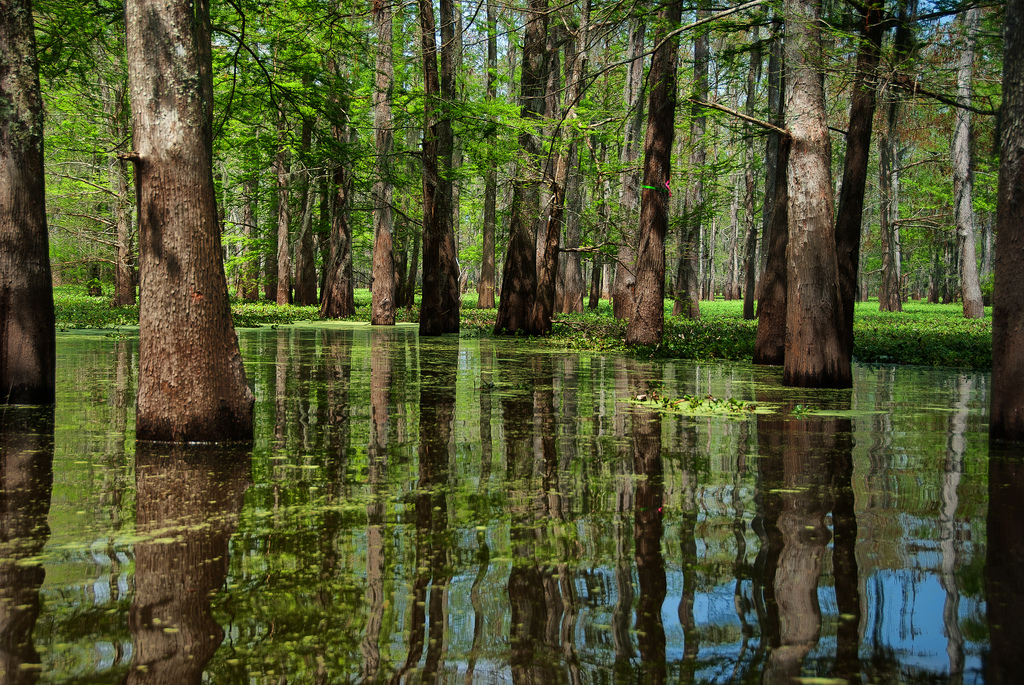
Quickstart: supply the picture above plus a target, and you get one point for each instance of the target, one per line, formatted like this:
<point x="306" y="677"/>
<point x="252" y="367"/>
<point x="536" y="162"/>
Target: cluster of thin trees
<point x="192" y="385"/>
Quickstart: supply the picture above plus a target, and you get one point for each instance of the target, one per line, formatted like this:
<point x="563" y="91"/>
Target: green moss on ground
<point x="923" y="334"/>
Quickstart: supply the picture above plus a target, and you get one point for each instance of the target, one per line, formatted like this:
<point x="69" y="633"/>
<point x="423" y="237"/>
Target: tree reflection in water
<point x="803" y="463"/>
<point x="26" y="482"/>
<point x="1004" y="564"/>
<point x="189" y="498"/>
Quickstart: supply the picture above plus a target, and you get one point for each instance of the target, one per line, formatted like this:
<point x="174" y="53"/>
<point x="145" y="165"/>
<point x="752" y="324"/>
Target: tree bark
<point x="486" y="287"/>
<point x="687" y="284"/>
<point x="889" y="296"/>
<point x="771" y="168"/>
<point x="962" y="178"/>
<point x="647" y="321"/>
<point x="192" y="385"/>
<point x="27" y="328"/>
<point x="383" y="301"/>
<point x="251" y="270"/>
<point x="116" y="109"/>
<point x="519" y="277"/>
<point x="625" y="271"/>
<point x="750" y="261"/>
<point x="337" y="300"/>
<point x="304" y="292"/>
<point x="815" y="354"/>
<point x="282" y="167"/>
<point x="305" y="262"/>
<point x="439" y="303"/>
<point x="1007" y="409"/>
<point x="569" y="262"/>
<point x="770" y="342"/>
<point x="850" y="214"/>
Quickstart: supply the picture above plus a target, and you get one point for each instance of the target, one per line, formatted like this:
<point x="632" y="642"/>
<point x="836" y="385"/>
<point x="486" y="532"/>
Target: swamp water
<point x="471" y="510"/>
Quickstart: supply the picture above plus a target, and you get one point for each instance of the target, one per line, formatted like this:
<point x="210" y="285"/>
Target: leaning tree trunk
<point x="27" y="330"/>
<point x="439" y="304"/>
<point x="815" y="354"/>
<point x="383" y="302"/>
<point x="625" y="272"/>
<point x="519" y="277"/>
<point x="1007" y="410"/>
<point x="647" y="321"/>
<point x="962" y="181"/>
<point x="850" y="214"/>
<point x="192" y="385"/>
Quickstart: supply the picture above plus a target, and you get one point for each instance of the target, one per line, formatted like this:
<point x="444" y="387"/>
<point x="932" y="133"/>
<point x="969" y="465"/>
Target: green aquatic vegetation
<point x="697" y="405"/>
<point x="923" y="334"/>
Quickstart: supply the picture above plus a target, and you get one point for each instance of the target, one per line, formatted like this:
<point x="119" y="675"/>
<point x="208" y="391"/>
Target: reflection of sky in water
<point x="905" y="614"/>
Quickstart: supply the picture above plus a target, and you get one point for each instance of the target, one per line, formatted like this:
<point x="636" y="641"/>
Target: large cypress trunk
<point x="815" y="354"/>
<point x="439" y="305"/>
<point x="647" y="322"/>
<point x="519" y="277"/>
<point x="770" y="343"/>
<point x="192" y="386"/>
<point x="27" y="331"/>
<point x="850" y="213"/>
<point x="383" y="303"/>
<point x="1007" y="409"/>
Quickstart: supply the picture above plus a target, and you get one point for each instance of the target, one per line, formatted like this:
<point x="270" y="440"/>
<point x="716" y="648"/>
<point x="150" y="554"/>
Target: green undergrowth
<point x="923" y="334"/>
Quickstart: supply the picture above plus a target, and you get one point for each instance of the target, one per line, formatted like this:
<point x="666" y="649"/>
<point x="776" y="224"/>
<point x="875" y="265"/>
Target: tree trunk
<point x="519" y="277"/>
<point x="770" y="342"/>
<point x="889" y="298"/>
<point x="771" y="168"/>
<point x="251" y="270"/>
<point x="815" y="354"/>
<point x="625" y="271"/>
<point x="27" y="329"/>
<point x="850" y="214"/>
<point x="962" y="177"/>
<point x="1007" y="409"/>
<point x="439" y="304"/>
<point x="124" y="273"/>
<point x="732" y="277"/>
<point x="282" y="167"/>
<point x="888" y="189"/>
<point x="192" y="385"/>
<point x="647" y="320"/>
<point x="337" y="301"/>
<point x="750" y="261"/>
<point x="687" y="284"/>
<point x="383" y="301"/>
<point x="569" y="266"/>
<point x="305" y="262"/>
<point x="486" y="286"/>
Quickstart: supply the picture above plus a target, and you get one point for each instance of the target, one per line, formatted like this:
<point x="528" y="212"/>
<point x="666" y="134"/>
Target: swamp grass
<point x="923" y="334"/>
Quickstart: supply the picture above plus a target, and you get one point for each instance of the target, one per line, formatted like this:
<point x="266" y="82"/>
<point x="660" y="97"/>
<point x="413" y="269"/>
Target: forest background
<point x="298" y="151"/>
